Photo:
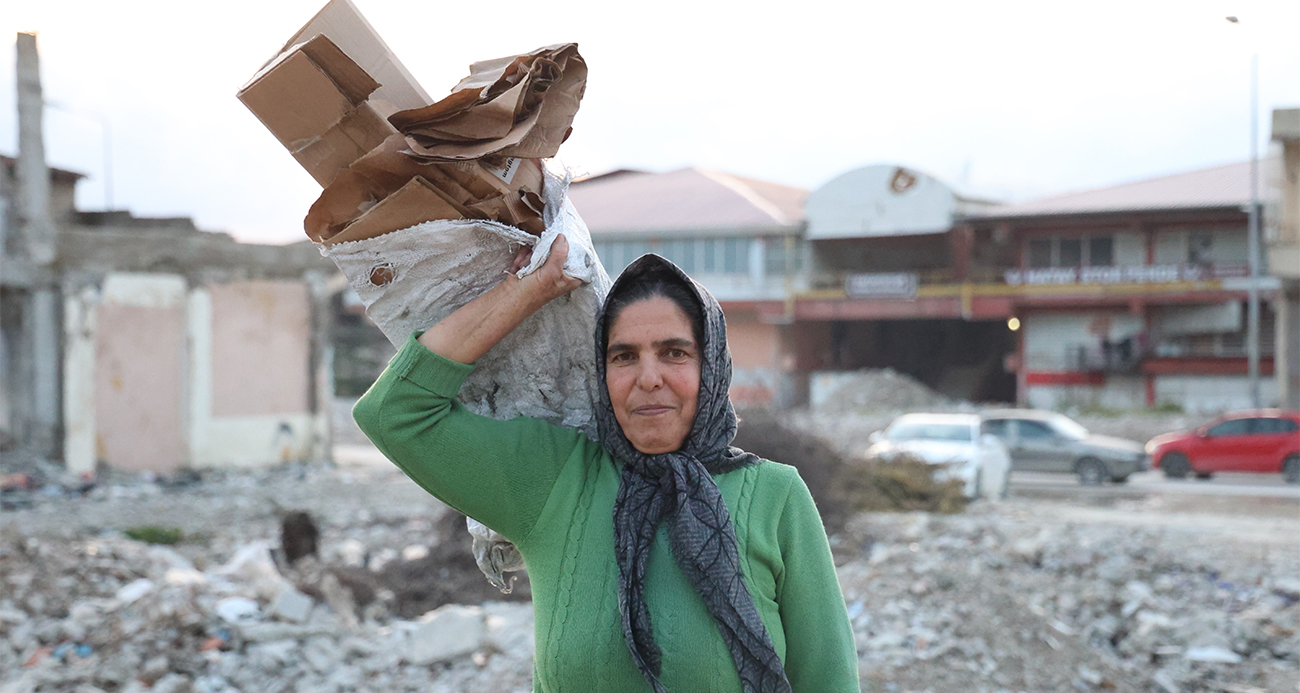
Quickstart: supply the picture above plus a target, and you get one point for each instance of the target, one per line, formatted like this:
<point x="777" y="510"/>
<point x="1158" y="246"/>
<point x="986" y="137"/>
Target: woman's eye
<point x="620" y="357"/>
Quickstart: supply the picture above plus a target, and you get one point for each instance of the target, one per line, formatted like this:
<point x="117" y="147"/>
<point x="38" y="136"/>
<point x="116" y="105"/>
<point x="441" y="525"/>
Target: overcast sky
<point x="1008" y="100"/>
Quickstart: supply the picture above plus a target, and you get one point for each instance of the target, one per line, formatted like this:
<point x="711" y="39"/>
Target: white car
<point x="952" y="441"/>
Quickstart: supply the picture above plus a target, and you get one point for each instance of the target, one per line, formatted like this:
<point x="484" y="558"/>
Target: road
<point x="1031" y="484"/>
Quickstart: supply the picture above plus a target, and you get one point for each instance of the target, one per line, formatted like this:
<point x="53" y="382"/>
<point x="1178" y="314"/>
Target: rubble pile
<point x="1002" y="597"/>
<point x="112" y="614"/>
<point x="881" y="389"/>
<point x="1024" y="603"/>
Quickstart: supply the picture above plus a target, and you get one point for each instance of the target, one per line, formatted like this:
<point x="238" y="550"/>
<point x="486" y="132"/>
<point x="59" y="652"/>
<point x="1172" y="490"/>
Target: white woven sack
<point x="545" y="369"/>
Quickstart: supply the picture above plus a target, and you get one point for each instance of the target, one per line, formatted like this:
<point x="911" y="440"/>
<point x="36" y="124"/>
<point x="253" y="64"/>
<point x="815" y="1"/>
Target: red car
<point x="1266" y="441"/>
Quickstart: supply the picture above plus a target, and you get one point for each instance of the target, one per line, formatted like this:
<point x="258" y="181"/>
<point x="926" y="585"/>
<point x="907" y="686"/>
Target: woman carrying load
<point x="661" y="558"/>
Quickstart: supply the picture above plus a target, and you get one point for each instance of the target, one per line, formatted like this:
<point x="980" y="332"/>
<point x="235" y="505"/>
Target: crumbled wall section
<point x="140" y="373"/>
<point x="261" y="333"/>
<point x="161" y="374"/>
<point x="250" y="378"/>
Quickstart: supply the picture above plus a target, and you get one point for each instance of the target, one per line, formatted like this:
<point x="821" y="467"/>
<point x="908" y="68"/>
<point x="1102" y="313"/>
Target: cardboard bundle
<point x="520" y="106"/>
<point x="342" y="103"/>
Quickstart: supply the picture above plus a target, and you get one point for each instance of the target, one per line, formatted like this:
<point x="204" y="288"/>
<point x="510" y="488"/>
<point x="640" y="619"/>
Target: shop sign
<point x="1133" y="274"/>
<point x="881" y="285"/>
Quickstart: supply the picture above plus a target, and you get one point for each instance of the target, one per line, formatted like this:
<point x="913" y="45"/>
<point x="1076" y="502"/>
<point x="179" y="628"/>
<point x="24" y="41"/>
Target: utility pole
<point x="1252" y="236"/>
<point x="41" y="324"/>
<point x="1252" y="243"/>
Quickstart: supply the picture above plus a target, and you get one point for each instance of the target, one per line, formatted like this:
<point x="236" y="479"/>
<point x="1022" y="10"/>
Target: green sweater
<point x="551" y="490"/>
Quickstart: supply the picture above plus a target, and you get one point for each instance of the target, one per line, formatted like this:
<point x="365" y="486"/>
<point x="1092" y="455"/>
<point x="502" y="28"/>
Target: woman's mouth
<point x="652" y="409"/>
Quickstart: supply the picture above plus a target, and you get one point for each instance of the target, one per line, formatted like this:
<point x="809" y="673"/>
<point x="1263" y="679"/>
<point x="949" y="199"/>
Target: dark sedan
<point x="1044" y="441"/>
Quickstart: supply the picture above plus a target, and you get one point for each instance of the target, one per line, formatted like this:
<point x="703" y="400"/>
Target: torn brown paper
<point x="521" y="106"/>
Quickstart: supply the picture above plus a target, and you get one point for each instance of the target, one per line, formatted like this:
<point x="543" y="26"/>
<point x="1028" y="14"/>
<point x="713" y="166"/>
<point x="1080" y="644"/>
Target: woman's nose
<point x="649" y="377"/>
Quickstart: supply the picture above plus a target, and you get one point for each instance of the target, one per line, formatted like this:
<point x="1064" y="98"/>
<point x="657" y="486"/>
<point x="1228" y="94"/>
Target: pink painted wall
<point x="139" y="387"/>
<point x="753" y="344"/>
<point x="261" y="348"/>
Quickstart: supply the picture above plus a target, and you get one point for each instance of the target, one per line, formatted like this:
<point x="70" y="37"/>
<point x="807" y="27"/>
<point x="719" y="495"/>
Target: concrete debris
<point x="237" y="609"/>
<point x="292" y="605"/>
<point x="253" y="567"/>
<point x="446" y="633"/>
<point x="1037" y="604"/>
<point x="1214" y="653"/>
<point x="134" y="591"/>
<point x="1009" y="597"/>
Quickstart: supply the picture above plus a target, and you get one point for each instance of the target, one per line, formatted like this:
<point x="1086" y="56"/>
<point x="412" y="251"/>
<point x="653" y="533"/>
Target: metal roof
<point x="1216" y="187"/>
<point x="688" y="199"/>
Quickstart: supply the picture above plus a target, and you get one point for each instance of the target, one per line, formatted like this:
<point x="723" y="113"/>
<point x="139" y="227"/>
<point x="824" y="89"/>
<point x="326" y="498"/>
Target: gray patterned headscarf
<point x="677" y="489"/>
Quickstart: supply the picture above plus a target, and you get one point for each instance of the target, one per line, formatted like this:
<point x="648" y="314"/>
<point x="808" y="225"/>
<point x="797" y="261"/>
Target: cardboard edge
<point x="419" y="194"/>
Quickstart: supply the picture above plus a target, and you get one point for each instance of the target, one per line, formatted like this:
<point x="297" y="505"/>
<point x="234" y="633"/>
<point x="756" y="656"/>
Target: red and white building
<point x="1122" y="297"/>
<point x="1134" y="294"/>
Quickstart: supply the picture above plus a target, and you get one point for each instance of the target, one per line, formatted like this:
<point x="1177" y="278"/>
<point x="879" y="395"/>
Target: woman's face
<point x="652" y="370"/>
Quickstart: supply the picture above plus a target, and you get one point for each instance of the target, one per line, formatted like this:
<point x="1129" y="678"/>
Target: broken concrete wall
<point x="140" y="372"/>
<point x="164" y="374"/>
<point x="252" y="388"/>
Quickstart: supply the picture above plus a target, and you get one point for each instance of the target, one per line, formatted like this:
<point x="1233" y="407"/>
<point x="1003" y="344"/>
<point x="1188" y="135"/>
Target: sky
<point x="1006" y="100"/>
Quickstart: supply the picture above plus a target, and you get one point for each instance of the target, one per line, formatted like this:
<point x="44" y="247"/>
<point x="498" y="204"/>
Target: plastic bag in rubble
<point x="544" y="369"/>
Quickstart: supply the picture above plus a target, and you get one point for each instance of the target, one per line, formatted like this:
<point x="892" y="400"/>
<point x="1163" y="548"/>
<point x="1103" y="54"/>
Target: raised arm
<point x="476" y="327"/>
<point x="498" y="472"/>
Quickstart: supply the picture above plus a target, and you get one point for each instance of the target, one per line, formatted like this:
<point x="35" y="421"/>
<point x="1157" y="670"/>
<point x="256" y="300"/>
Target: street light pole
<point x="1252" y="237"/>
<point x="1252" y="242"/>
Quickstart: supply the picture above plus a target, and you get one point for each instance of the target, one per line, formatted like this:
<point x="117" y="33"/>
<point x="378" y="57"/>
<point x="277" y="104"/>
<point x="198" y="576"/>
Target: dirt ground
<point x="1158" y="593"/>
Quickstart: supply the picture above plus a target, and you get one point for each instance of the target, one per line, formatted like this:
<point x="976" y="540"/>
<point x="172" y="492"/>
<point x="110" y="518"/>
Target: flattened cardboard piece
<point x="385" y="169"/>
<point x="525" y="175"/>
<point x="540" y="91"/>
<point x="344" y="24"/>
<point x="343" y="200"/>
<point x="415" y="203"/>
<point x="352" y="138"/>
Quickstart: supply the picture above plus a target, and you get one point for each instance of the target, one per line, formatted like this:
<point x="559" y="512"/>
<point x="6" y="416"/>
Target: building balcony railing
<point x="1108" y="357"/>
<point x="908" y="283"/>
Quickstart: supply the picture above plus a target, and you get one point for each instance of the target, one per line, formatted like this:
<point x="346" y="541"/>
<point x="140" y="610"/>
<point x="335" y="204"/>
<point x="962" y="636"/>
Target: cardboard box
<point x="343" y="24"/>
<point x="313" y="99"/>
<point x="336" y="95"/>
<point x="359" y="132"/>
<point x="415" y="203"/>
<point x="510" y="193"/>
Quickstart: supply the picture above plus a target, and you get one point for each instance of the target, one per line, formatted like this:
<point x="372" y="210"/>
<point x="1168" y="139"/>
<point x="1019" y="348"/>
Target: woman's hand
<point x="549" y="282"/>
<point x="477" y="326"/>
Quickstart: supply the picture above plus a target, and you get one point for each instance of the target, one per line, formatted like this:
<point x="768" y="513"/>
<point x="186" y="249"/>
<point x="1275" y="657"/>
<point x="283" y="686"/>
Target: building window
<point x="735" y="255"/>
<point x="774" y="257"/>
<point x="1101" y="251"/>
<point x="709" y="263"/>
<point x="1071" y="253"/>
<point x="1200" y="248"/>
<point x="1090" y="251"/>
<point x="669" y="250"/>
<point x="686" y="248"/>
<point x="1040" y="253"/>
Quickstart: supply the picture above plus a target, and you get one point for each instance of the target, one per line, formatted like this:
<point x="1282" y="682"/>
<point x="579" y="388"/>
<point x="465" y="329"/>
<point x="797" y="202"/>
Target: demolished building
<point x="146" y="343"/>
